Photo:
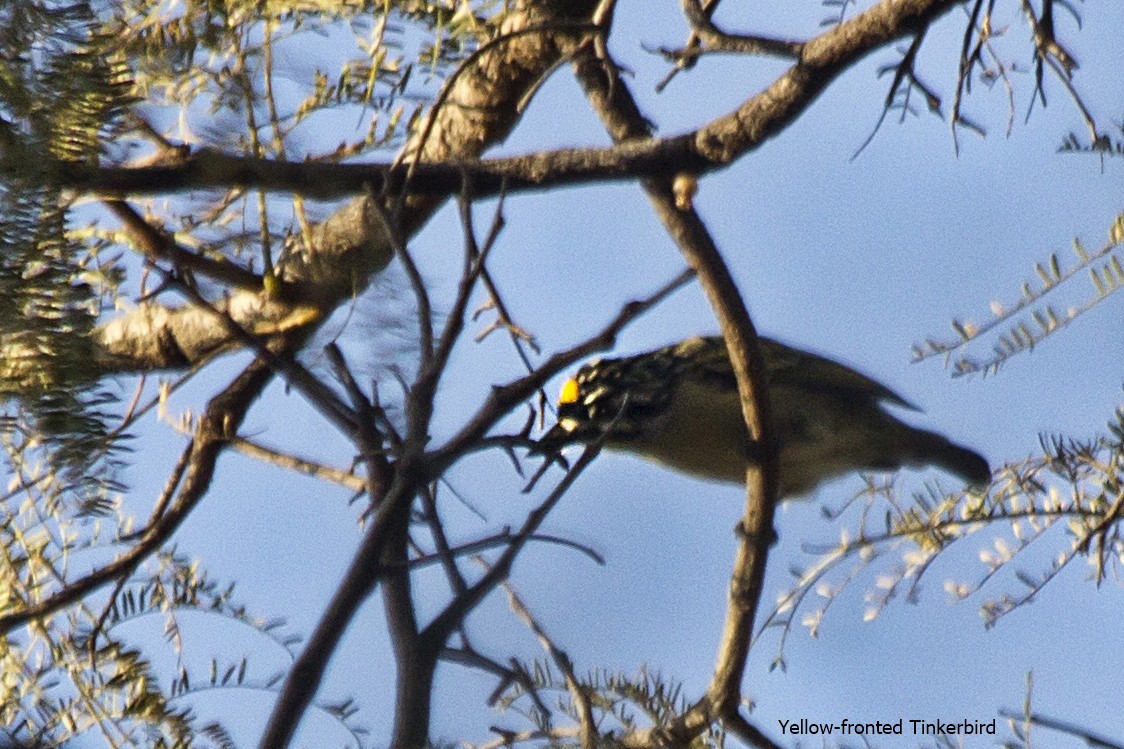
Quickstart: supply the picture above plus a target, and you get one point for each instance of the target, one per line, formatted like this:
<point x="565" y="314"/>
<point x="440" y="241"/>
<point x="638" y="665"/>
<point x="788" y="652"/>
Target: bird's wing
<point x="811" y="372"/>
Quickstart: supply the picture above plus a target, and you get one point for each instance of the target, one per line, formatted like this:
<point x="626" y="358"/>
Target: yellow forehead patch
<point x="569" y="392"/>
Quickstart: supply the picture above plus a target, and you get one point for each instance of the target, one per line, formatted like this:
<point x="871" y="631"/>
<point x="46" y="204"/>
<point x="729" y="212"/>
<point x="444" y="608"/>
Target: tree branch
<point x="709" y="147"/>
<point x="707" y="38"/>
<point x="579" y="693"/>
<point x="618" y="110"/>
<point x="339" y="256"/>
<point x="358" y="583"/>
<point x="295" y="463"/>
<point x="442" y="625"/>
<point x="220" y="421"/>
<point x="481" y="108"/>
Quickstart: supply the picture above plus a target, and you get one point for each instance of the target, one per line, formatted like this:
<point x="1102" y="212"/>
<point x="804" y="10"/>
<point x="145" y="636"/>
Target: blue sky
<point x="857" y="259"/>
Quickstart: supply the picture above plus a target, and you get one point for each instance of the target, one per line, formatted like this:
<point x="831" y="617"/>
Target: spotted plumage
<point x="678" y="405"/>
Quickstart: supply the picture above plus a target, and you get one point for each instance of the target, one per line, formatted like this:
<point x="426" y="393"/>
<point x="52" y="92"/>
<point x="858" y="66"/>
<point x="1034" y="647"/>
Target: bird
<point x="679" y="406"/>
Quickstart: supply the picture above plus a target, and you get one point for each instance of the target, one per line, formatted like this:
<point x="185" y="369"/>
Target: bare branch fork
<point x="381" y="557"/>
<point x="707" y="38"/>
<point x="411" y="472"/>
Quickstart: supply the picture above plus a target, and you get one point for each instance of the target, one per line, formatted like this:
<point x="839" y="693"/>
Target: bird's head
<point x="608" y="401"/>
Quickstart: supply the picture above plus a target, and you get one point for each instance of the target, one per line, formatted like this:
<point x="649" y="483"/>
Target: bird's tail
<point x="931" y="448"/>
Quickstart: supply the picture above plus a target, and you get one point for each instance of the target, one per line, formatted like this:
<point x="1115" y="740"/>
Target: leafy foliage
<point x="57" y="688"/>
<point x="1074" y="488"/>
<point x="1031" y="320"/>
<point x="63" y="92"/>
<point x="107" y="83"/>
<point x="619" y="702"/>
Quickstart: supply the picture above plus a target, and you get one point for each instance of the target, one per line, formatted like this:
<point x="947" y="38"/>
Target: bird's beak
<point x="558" y="436"/>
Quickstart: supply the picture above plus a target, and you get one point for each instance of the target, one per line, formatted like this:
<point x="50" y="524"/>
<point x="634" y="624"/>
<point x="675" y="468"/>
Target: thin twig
<point x="503" y="538"/>
<point x="579" y="692"/>
<point x="390" y="227"/>
<point x="168" y="492"/>
<point x="99" y="623"/>
<point x="438" y="630"/>
<point x="295" y="463"/>
<point x="224" y="413"/>
<point x="968" y="59"/>
<point x="1089" y="737"/>
<point x="369" y="438"/>
<point x="511" y="738"/>
<point x="158" y="245"/>
<point x="516" y="674"/>
<point x="445" y="554"/>
<point x="707" y="38"/>
<point x="687" y="60"/>
<point x="504" y="398"/>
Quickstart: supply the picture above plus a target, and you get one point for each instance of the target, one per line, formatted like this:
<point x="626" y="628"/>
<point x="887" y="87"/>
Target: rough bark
<point x="479" y="109"/>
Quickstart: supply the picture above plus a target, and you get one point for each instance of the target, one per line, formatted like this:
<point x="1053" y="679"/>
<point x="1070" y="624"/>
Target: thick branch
<point x="709" y="147"/>
<point x="479" y="109"/>
<point x="345" y="251"/>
